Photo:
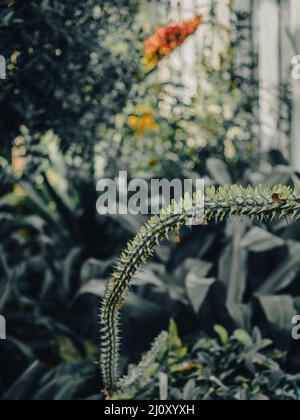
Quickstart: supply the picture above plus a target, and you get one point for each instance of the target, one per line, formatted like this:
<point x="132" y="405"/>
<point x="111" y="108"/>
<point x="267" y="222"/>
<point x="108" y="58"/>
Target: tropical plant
<point x="169" y="124"/>
<point x="56" y="252"/>
<point x="52" y="245"/>
<point x="236" y="367"/>
<point x="261" y="203"/>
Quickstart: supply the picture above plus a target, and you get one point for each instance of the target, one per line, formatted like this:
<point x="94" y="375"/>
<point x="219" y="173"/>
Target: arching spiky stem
<point x="260" y="203"/>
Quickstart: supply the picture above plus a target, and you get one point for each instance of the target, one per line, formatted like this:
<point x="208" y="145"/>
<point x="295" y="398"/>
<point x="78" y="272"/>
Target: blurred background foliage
<point x="76" y="106"/>
<point x="70" y="67"/>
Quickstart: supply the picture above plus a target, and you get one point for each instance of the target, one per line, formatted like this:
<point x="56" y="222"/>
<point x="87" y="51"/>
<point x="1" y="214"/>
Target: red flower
<point x="167" y="39"/>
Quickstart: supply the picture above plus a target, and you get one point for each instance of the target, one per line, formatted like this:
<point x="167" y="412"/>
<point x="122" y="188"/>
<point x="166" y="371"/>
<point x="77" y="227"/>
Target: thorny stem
<point x="260" y="203"/>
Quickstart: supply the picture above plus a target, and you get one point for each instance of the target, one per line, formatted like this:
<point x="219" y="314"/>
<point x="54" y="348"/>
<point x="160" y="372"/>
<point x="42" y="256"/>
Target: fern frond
<point x="260" y="203"/>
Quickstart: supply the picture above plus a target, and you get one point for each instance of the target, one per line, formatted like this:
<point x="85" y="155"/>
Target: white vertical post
<point x="286" y="45"/>
<point x="295" y="137"/>
<point x="269" y="72"/>
<point x="222" y="34"/>
<point x="189" y="51"/>
<point x="286" y="52"/>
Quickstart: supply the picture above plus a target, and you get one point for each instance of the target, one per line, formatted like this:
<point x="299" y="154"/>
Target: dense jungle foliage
<point x="78" y="105"/>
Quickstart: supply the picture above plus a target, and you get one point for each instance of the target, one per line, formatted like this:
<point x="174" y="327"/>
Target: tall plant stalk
<point x="260" y="204"/>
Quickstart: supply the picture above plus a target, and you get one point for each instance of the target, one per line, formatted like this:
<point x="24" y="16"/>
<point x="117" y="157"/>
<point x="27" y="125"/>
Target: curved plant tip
<point x="260" y="204"/>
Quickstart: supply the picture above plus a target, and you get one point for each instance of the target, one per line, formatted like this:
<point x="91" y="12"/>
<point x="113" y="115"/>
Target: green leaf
<point x="243" y="337"/>
<point x="218" y="171"/>
<point x="197" y="289"/>
<point x="93" y="287"/>
<point x="21" y="389"/>
<point x="284" y="274"/>
<point x="122" y="397"/>
<point x="278" y="311"/>
<point x="94" y="269"/>
<point x="189" y="390"/>
<point x="260" y="240"/>
<point x="233" y="267"/>
<point x="222" y="334"/>
<point x="173" y="334"/>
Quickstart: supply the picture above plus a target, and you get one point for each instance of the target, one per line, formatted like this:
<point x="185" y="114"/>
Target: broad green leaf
<point x="174" y="339"/>
<point x="233" y="267"/>
<point x="260" y="240"/>
<point x="243" y="337"/>
<point x="218" y="171"/>
<point x="197" y="289"/>
<point x="94" y="287"/>
<point x="284" y="274"/>
<point x="21" y="389"/>
<point x="278" y="311"/>
<point x="189" y="390"/>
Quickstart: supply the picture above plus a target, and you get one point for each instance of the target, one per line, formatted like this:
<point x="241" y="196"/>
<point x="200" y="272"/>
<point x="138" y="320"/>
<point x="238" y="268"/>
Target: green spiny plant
<point x="137" y="376"/>
<point x="260" y="204"/>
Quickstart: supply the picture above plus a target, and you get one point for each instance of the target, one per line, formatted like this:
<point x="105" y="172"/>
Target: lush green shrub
<point x="237" y="367"/>
<point x="177" y="123"/>
<point x="71" y="70"/>
<point x="70" y="67"/>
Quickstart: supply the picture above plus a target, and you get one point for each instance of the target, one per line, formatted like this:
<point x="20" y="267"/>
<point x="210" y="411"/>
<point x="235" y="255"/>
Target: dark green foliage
<point x="52" y="245"/>
<point x="71" y="70"/>
<point x="70" y="67"/>
<point x="238" y="367"/>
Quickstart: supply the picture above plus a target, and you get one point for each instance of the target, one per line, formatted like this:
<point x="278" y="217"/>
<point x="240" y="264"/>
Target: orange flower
<point x="133" y="122"/>
<point x="140" y="124"/>
<point x="167" y="39"/>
